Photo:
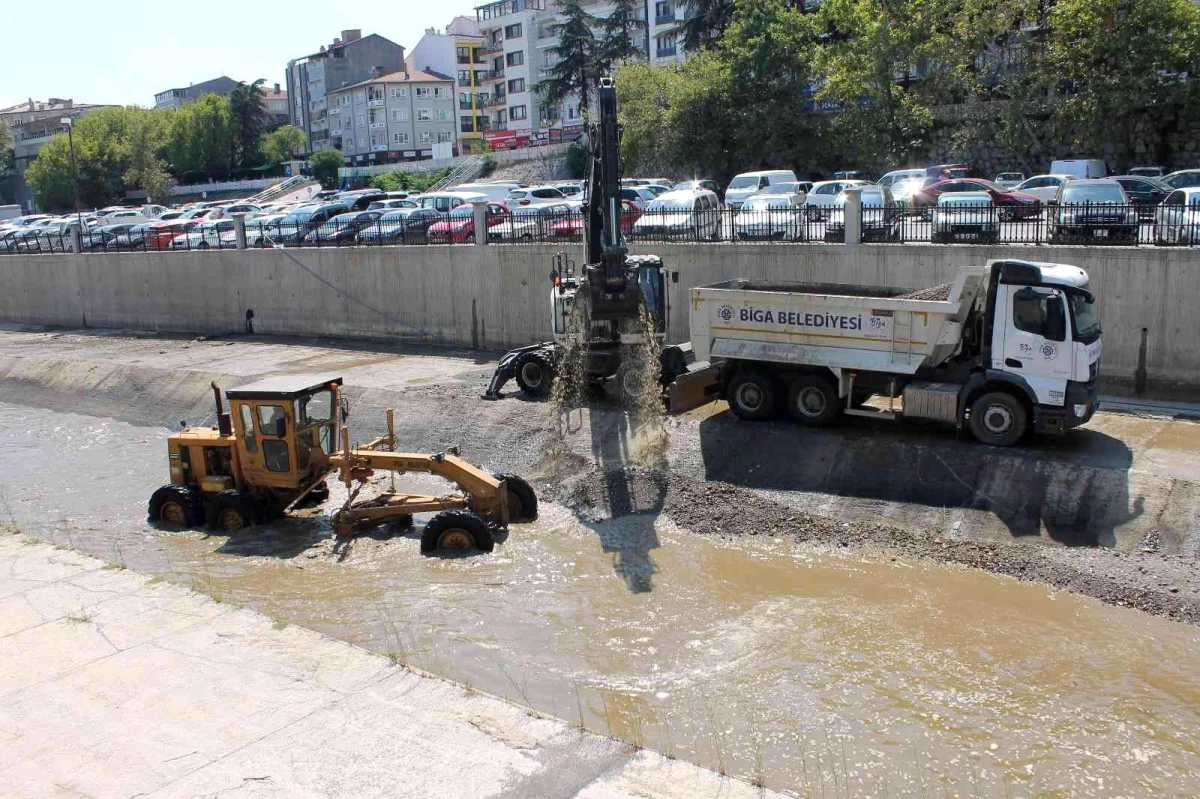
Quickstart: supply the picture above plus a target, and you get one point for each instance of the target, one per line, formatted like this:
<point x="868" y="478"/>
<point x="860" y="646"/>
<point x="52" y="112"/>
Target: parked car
<point x="111" y="236"/>
<point x="400" y="226"/>
<point x="160" y="234"/>
<point x="1044" y="187"/>
<point x="710" y="185"/>
<point x="446" y="201"/>
<point x="965" y="215"/>
<point x="851" y="174"/>
<point x="687" y="214"/>
<point x="260" y="231"/>
<point x="890" y="179"/>
<point x="167" y="216"/>
<point x="325" y="194"/>
<point x="880" y="216"/>
<point x="194" y="213"/>
<point x="639" y="196"/>
<point x="1011" y="204"/>
<point x="47" y="237"/>
<point x="1148" y="171"/>
<point x="342" y="228"/>
<point x="533" y="222"/>
<point x="1009" y="180"/>
<point x="656" y="188"/>
<point x="205" y="235"/>
<point x="295" y="227"/>
<point x="1177" y="219"/>
<point x="534" y="195"/>
<point x="1089" y="209"/>
<point x="947" y="171"/>
<point x="459" y="226"/>
<point x="1145" y="193"/>
<point x="748" y="183"/>
<point x="248" y="210"/>
<point x="496" y="192"/>
<point x="797" y="189"/>
<point x="572" y="226"/>
<point x="771" y="216"/>
<point x="903" y="191"/>
<point x="387" y="205"/>
<point x="1183" y="179"/>
<point x="1079" y="167"/>
<point x="821" y="199"/>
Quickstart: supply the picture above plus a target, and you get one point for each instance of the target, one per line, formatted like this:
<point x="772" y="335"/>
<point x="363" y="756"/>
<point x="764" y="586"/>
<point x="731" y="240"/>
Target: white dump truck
<point x="1004" y="349"/>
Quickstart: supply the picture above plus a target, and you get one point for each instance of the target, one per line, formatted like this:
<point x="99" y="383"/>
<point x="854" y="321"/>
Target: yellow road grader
<point x="280" y="440"/>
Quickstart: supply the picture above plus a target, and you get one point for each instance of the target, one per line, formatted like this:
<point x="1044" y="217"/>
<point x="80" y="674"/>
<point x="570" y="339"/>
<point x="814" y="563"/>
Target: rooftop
<point x="412" y="76"/>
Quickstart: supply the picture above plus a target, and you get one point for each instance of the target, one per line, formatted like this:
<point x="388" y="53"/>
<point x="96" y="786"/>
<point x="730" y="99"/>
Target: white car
<point x="823" y="196"/>
<point x="205" y="235"/>
<point x="533" y="222"/>
<point x="881" y="220"/>
<point x="771" y="216"/>
<point x="533" y="196"/>
<point x="744" y="185"/>
<point x="1009" y="180"/>
<point x="1177" y="218"/>
<point x="965" y="215"/>
<point x="1183" y="179"/>
<point x="1044" y="187"/>
<point x="688" y="214"/>
<point x="895" y="176"/>
<point x="258" y="231"/>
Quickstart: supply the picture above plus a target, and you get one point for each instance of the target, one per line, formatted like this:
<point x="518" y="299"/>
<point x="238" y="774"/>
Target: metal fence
<point x="1091" y="224"/>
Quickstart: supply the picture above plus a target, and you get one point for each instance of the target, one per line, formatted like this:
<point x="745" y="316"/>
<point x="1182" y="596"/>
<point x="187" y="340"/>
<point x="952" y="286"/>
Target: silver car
<point x="1177" y="218"/>
<point x="771" y="216"/>
<point x="965" y="215"/>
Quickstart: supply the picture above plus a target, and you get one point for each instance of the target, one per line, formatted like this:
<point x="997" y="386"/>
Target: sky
<point x="126" y="53"/>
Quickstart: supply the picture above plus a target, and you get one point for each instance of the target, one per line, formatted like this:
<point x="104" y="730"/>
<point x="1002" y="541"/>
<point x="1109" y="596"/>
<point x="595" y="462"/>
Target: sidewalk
<point x="115" y="685"/>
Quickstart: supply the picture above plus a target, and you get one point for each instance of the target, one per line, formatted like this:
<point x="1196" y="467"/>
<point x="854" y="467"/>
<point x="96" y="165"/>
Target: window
<point x="362" y="120"/>
<point x="248" y="430"/>
<point x="466" y="124"/>
<point x="343" y="100"/>
<point x="400" y="138"/>
<point x="276" y="456"/>
<point x="425" y="138"/>
<point x="515" y="59"/>
<point x="379" y="141"/>
<point x="441" y="92"/>
<point x="424" y="91"/>
<point x="375" y="93"/>
<point x="424" y="114"/>
<point x="464" y="55"/>
<point x="518" y="112"/>
<point x="512" y="31"/>
<point x="445" y="136"/>
<point x="464" y="77"/>
<point x="516" y="85"/>
<point x="360" y="96"/>
<point x="1039" y="314"/>
<point x="403" y="93"/>
<point x="362" y="142"/>
<point x="400" y="115"/>
<point x="393" y="93"/>
<point x="269" y="417"/>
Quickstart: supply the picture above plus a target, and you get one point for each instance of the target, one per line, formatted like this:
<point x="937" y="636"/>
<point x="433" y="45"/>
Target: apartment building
<point x="403" y="116"/>
<point x="350" y="59"/>
<point x="275" y="100"/>
<point x="173" y="98"/>
<point x="663" y="21"/>
<point x="32" y="124"/>
<point x="459" y="51"/>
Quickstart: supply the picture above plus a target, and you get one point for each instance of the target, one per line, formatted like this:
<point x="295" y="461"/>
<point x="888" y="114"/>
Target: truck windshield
<point x="1086" y="316"/>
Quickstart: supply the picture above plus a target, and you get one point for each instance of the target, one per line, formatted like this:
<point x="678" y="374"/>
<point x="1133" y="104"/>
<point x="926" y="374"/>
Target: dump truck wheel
<point x="751" y="396"/>
<point x="522" y="501"/>
<point x="232" y="510"/>
<point x="174" y="505"/>
<point x="534" y="376"/>
<point x="813" y="401"/>
<point x="456" y="531"/>
<point x="998" y="419"/>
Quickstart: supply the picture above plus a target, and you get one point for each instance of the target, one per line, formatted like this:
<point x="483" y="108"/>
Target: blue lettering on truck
<point x="796" y="319"/>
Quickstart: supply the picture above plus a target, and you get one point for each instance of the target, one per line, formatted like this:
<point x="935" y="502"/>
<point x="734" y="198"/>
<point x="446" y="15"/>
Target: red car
<point x="160" y="234"/>
<point x="459" y="226"/>
<point x="572" y="228"/>
<point x="1010" y="204"/>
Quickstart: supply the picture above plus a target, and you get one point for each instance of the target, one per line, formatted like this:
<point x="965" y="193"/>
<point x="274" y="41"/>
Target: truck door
<point x="1037" y="343"/>
<point x="264" y="431"/>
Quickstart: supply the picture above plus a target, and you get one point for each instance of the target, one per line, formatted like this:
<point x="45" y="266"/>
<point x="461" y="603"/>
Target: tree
<point x="147" y="146"/>
<point x="103" y="155"/>
<point x="200" y="136"/>
<point x="325" y="166"/>
<point x="705" y="22"/>
<point x="282" y="143"/>
<point x="6" y="160"/>
<point x="248" y="121"/>
<point x="575" y="62"/>
<point x="620" y="35"/>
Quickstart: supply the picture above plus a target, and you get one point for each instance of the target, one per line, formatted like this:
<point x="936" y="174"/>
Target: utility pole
<point x="74" y="171"/>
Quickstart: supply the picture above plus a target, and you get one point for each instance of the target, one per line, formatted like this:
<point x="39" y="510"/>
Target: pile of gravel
<point x="938" y="293"/>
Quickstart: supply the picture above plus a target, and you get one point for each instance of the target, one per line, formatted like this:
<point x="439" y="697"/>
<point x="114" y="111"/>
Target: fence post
<point x="852" y="216"/>
<point x="480" y="223"/>
<point x="76" y="239"/>
<point x="239" y="230"/>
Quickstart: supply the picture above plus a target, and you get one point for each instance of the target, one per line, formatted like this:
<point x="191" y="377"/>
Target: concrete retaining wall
<point x="497" y="296"/>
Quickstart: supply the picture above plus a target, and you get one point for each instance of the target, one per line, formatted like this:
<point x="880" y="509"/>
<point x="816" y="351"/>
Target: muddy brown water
<point x="823" y="675"/>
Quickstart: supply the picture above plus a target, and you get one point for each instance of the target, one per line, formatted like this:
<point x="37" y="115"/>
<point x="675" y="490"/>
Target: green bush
<point x="325" y="166"/>
<point x="577" y="162"/>
<point x="407" y="181"/>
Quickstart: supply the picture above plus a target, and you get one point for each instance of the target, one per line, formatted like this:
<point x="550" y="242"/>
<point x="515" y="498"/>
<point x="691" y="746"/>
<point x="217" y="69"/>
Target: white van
<point x="446" y="201"/>
<point x="1080" y="168"/>
<point x="690" y="214"/>
<point x="748" y="183"/>
<point x="897" y="175"/>
<point x="496" y="192"/>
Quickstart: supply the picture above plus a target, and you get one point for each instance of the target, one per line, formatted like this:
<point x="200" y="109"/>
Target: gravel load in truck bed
<point x="939" y="293"/>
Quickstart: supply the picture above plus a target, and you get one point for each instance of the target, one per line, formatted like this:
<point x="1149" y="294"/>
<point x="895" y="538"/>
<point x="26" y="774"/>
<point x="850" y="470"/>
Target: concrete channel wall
<point x="497" y="296"/>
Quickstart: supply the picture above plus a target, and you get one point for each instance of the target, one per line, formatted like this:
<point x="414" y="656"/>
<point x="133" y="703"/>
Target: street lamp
<point x="74" y="171"/>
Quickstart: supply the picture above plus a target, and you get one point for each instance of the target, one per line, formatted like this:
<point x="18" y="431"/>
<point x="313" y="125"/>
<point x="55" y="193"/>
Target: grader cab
<point x="280" y="440"/>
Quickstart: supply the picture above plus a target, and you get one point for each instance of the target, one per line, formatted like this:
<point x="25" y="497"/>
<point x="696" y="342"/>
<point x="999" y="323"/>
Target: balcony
<point x="490" y="50"/>
<point x="665" y="19"/>
<point x="464" y="105"/>
<point x="666" y="52"/>
<point x="493" y="75"/>
<point x="334" y="111"/>
<point x="496" y="101"/>
<point x="379" y="126"/>
<point x="375" y="102"/>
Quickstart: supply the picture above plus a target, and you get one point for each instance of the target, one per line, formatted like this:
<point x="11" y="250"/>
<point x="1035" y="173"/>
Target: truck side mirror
<point x="1055" y="328"/>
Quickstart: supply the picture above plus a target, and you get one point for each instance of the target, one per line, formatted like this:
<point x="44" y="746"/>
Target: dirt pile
<point x="938" y="293"/>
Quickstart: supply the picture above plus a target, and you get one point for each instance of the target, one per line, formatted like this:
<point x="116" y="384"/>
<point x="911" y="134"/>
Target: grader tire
<point x="173" y="505"/>
<point x="231" y="510"/>
<point x="456" y="531"/>
<point x="522" y="501"/>
<point x="535" y="377"/>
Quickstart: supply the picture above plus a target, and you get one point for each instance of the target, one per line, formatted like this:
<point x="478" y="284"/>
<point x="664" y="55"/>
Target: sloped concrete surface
<point x="114" y="685"/>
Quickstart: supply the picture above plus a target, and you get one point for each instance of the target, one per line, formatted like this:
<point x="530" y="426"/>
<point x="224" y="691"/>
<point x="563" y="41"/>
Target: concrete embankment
<point x="115" y="685"/>
<point x="496" y="296"/>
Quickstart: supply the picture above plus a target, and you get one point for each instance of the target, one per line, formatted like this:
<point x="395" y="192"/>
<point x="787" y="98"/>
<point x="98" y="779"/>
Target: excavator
<point x="280" y="440"/>
<point x="622" y="299"/>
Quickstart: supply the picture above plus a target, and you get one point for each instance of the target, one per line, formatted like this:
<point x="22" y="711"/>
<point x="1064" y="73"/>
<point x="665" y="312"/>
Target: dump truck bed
<point x="873" y="328"/>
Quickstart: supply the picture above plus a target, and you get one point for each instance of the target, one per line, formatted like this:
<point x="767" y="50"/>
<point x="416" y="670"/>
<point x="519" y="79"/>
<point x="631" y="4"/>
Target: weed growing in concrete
<point x="29" y="540"/>
<point x="112" y="567"/>
<point x="82" y="616"/>
<point x="156" y="580"/>
<point x="759" y="778"/>
<point x="579" y="708"/>
<point x="279" y="624"/>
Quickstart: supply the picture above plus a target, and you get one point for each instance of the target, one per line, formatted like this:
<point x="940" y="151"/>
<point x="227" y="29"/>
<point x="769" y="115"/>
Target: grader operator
<point x="284" y="435"/>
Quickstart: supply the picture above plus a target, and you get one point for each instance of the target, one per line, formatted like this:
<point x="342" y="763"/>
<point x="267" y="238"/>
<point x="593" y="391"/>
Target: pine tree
<point x="575" y="67"/>
<point x="621" y="34"/>
<point x="249" y="117"/>
<point x="706" y="22"/>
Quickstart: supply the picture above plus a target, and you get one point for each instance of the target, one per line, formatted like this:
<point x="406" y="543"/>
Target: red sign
<point x="506" y="139"/>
